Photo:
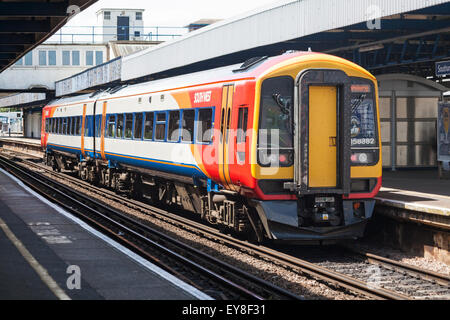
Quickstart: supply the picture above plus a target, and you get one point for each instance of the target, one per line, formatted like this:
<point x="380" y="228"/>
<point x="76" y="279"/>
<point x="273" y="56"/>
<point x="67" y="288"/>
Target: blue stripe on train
<point x="170" y="167"/>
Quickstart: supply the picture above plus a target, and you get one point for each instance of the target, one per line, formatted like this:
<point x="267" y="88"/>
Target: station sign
<point x="443" y="134"/>
<point x="443" y="68"/>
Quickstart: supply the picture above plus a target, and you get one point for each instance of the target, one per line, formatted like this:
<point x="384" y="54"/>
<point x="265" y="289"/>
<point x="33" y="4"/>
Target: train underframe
<point x="312" y="218"/>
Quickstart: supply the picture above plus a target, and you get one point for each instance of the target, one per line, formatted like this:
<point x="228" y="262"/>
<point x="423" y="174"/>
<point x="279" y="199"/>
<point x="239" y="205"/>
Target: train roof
<point x="249" y="70"/>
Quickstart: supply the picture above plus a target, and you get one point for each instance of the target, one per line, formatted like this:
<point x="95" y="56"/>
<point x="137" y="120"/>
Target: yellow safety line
<point x="40" y="270"/>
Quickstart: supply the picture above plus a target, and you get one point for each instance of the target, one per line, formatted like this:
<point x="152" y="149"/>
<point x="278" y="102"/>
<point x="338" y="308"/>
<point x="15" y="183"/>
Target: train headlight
<point x="363" y="158"/>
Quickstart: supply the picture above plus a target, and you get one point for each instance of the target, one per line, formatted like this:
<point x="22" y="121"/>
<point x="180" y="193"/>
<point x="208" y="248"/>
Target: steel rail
<point x="145" y="229"/>
<point x="294" y="263"/>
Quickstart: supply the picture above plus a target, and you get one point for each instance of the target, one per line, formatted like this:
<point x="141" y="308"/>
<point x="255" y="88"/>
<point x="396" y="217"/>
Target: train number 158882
<point x="366" y="141"/>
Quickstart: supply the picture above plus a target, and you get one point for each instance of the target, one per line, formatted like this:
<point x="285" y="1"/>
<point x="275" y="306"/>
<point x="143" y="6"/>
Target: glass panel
<point x="401" y="108"/>
<point x="385" y="107"/>
<point x="402" y="155"/>
<point x="174" y="125"/>
<point x="111" y="128"/>
<point x="402" y="131"/>
<point x="66" y="58"/>
<point x="187" y="132"/>
<point x="425" y="156"/>
<point x="385" y="131"/>
<point x="98" y="57"/>
<point x="29" y="59"/>
<point x="42" y="58"/>
<point x="119" y="128"/>
<point x="363" y="125"/>
<point x="386" y="150"/>
<point x="275" y="124"/>
<point x="425" y="132"/>
<point x="138" y="125"/>
<point x="148" y="130"/>
<point x="129" y="126"/>
<point x="64" y="128"/>
<point x="89" y="58"/>
<point x="204" y="125"/>
<point x="426" y="107"/>
<point x="75" y="58"/>
<point x="242" y="125"/>
<point x="52" y="58"/>
<point x="160" y="133"/>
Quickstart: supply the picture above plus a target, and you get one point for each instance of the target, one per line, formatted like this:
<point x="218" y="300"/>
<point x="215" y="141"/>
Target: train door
<point x="322" y="141"/>
<point x="322" y="136"/>
<point x="225" y="135"/>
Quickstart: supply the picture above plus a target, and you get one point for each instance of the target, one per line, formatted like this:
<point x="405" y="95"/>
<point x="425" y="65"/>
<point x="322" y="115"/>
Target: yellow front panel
<point x="322" y="136"/>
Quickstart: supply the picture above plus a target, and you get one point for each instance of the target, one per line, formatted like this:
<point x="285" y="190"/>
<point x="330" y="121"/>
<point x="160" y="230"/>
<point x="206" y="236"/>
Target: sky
<point x="176" y="13"/>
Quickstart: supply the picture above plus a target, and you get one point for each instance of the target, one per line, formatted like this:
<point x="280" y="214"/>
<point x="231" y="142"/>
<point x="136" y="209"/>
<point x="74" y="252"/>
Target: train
<point x="282" y="148"/>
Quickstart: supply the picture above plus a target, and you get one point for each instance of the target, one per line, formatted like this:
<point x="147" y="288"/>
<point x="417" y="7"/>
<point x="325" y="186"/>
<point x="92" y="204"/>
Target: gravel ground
<point x="288" y="279"/>
<point x="291" y="280"/>
<point x="398" y="255"/>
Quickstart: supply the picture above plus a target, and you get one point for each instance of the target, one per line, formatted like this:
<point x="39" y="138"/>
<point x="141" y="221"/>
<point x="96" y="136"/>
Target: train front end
<point x="317" y="157"/>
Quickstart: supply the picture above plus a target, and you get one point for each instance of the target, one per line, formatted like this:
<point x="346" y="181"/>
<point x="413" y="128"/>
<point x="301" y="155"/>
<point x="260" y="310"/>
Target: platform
<point x="21" y="144"/>
<point x="44" y="249"/>
<point x="417" y="195"/>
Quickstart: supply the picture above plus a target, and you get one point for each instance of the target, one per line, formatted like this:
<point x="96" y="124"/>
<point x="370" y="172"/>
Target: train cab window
<point x="46" y="126"/>
<point x="111" y="128"/>
<point x="174" y="126"/>
<point x="119" y="127"/>
<point x="204" y="125"/>
<point x="160" y="131"/>
<point x="128" y="126"/>
<point x="187" y="132"/>
<point x="148" y="128"/>
<point x="138" y="118"/>
<point x="275" y="135"/>
<point x="242" y="125"/>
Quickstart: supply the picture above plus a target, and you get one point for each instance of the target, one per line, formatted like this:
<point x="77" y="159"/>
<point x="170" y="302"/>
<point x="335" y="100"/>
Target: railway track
<point x="350" y="275"/>
<point x="217" y="278"/>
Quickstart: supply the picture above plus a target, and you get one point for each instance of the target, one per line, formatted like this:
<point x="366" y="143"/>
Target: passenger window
<point x="242" y="125"/>
<point x="111" y="128"/>
<point x="138" y="126"/>
<point x="204" y="126"/>
<point x="148" y="130"/>
<point x="80" y="122"/>
<point x="174" y="126"/>
<point x="57" y="125"/>
<point x="128" y="126"/>
<point x="64" y="130"/>
<point x="72" y="126"/>
<point x="119" y="128"/>
<point x="160" y="133"/>
<point x="87" y="126"/>
<point x="187" y="132"/>
<point x="98" y="125"/>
